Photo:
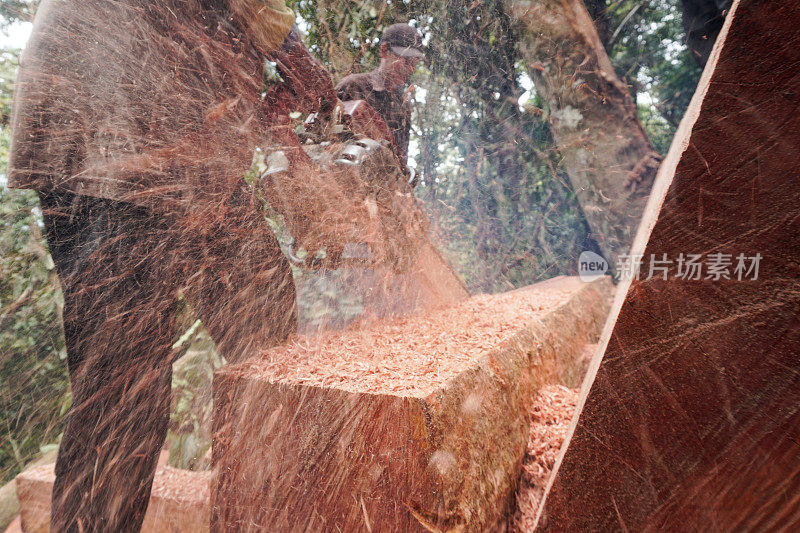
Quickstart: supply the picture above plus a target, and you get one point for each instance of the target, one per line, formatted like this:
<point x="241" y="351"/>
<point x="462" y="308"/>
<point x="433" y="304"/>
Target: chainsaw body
<point x="350" y="204"/>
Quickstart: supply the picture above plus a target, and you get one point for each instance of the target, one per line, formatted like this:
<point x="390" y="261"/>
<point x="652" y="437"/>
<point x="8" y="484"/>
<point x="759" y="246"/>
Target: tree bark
<point x="606" y="153"/>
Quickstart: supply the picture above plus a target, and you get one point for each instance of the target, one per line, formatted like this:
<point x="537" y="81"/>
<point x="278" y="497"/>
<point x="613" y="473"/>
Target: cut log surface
<point x="179" y="501"/>
<point x="412" y="424"/>
<point x="692" y="421"/>
<point x="416" y="355"/>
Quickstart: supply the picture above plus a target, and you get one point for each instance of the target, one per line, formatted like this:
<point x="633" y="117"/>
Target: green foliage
<point x="344" y="36"/>
<point x="506" y="221"/>
<point x="189" y="435"/>
<point x="34" y="390"/>
<point x="16" y="10"/>
<point x="504" y="213"/>
<point x="9" y="60"/>
<point x="650" y="52"/>
<point x="31" y="344"/>
<point x="658" y="129"/>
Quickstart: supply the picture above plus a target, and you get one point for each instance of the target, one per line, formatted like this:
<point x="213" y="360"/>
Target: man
<point x="135" y="121"/>
<point x="401" y="50"/>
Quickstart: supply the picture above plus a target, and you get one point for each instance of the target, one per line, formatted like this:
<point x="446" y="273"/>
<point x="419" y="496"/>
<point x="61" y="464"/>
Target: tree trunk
<point x="605" y="150"/>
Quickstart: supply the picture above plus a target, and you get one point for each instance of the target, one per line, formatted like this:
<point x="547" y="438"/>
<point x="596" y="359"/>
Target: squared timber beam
<point x="692" y="420"/>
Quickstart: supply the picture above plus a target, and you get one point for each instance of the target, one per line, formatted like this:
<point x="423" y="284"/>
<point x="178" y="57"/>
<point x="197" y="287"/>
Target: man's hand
<point x="305" y="77"/>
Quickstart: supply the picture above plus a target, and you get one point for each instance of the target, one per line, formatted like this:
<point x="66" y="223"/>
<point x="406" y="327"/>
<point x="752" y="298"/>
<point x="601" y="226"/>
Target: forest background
<point x="490" y="174"/>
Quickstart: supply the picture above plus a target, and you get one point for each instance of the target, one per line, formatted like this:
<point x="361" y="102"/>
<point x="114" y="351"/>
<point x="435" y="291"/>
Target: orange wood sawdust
<point x="551" y="414"/>
<point x="415" y="355"/>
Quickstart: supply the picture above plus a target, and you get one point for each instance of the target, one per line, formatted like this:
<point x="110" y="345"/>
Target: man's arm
<point x="267" y="22"/>
<point x="270" y="25"/>
<point x="304" y="75"/>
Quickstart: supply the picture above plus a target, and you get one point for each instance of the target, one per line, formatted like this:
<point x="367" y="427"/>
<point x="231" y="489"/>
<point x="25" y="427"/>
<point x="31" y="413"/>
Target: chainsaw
<point x="347" y="199"/>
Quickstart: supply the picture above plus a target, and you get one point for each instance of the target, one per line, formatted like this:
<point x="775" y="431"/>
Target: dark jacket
<point x="134" y="100"/>
<point x="388" y="103"/>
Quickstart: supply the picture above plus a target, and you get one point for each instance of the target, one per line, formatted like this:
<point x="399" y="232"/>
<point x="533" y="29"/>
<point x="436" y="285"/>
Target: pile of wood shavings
<point x="551" y="415"/>
<point x="414" y="355"/>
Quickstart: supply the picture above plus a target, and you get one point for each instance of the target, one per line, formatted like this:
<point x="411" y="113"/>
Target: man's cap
<point x="403" y="40"/>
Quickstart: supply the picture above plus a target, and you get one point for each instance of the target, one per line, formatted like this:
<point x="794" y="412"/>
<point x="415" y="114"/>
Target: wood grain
<point x="411" y="425"/>
<point x="692" y="421"/>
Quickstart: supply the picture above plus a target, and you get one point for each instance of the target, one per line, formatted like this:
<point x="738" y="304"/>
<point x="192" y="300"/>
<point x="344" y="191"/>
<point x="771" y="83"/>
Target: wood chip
<point x="551" y="414"/>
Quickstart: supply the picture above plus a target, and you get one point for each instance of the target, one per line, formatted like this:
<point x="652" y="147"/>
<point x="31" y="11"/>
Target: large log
<point x="412" y="424"/>
<point x="179" y="500"/>
<point x="692" y="421"/>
